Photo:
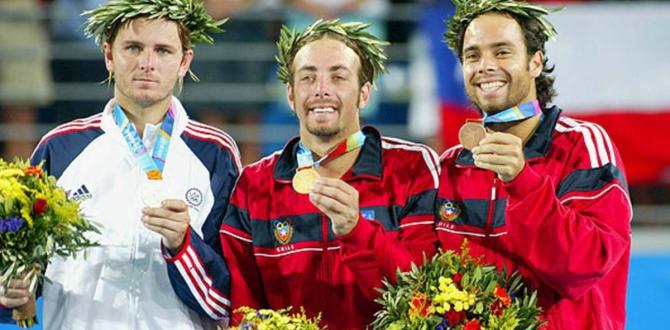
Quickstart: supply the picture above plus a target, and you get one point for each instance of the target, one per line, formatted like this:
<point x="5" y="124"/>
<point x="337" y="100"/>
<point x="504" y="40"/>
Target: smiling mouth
<point x="491" y="86"/>
<point x="320" y="110"/>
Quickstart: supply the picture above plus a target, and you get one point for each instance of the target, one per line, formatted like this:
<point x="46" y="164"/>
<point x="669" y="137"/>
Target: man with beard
<point x="532" y="190"/>
<point x="320" y="223"/>
<point x="156" y="181"/>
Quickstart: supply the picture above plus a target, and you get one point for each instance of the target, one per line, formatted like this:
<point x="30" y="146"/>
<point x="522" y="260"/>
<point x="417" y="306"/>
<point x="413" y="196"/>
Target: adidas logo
<point x="80" y="194"/>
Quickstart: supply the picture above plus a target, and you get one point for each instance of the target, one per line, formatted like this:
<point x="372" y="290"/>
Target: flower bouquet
<point x="37" y="221"/>
<point x="267" y="319"/>
<point x="456" y="291"/>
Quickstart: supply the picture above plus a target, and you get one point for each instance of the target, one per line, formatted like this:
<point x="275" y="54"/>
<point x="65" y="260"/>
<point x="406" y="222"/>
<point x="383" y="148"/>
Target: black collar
<point x="537" y="146"/>
<point x="368" y="163"/>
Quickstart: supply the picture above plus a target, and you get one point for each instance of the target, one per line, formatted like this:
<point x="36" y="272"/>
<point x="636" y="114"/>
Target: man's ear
<point x="536" y="64"/>
<point x="109" y="61"/>
<point x="364" y="95"/>
<point x="185" y="63"/>
<point x="290" y="97"/>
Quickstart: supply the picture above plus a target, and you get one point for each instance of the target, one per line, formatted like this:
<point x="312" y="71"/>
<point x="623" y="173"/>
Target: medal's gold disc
<point x="304" y="180"/>
<point x="471" y="134"/>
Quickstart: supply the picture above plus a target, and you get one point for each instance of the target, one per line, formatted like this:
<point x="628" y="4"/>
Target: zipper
<point x="325" y="268"/>
<point x="492" y="204"/>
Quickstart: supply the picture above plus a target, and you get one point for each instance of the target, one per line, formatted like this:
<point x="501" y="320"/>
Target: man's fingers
<point x="13" y="302"/>
<point x="175" y="205"/>
<point x="337" y="184"/>
<point x="326" y="203"/>
<point x="494" y="159"/>
<point x="160" y="212"/>
<point x="165" y="223"/>
<point x="333" y="192"/>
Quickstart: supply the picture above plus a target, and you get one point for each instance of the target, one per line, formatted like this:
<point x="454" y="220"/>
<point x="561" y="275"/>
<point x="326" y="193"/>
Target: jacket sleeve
<point x="574" y="234"/>
<point x="5" y="315"/>
<point x="236" y="238"/>
<point x="198" y="273"/>
<point x="374" y="252"/>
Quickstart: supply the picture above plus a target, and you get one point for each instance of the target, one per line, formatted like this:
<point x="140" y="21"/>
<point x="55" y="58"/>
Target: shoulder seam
<point x="71" y="127"/>
<point x="218" y="140"/>
<point x="429" y="156"/>
<point x="598" y="143"/>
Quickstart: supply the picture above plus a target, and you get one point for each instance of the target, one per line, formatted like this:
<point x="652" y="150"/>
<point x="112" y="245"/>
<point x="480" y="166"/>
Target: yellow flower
<point x="11" y="172"/>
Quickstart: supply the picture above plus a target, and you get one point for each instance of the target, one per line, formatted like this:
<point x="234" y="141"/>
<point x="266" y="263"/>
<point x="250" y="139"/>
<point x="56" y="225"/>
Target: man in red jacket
<point x="531" y="189"/>
<point x="320" y="223"/>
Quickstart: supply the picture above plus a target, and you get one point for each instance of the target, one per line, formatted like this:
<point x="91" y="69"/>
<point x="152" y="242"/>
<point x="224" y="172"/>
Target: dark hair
<point x="535" y="39"/>
<point x="364" y="72"/>
<point x="182" y="30"/>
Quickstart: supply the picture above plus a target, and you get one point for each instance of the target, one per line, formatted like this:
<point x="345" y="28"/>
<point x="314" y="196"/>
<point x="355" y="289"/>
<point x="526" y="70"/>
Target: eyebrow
<point x="493" y="45"/>
<point x="312" y="68"/>
<point x="135" y="42"/>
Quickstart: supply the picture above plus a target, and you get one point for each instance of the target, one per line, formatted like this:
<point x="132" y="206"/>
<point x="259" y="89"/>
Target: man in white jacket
<point x="156" y="181"/>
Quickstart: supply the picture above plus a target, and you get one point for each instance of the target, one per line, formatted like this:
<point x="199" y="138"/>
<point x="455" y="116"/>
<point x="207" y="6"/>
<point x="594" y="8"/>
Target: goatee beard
<point x="323" y="132"/>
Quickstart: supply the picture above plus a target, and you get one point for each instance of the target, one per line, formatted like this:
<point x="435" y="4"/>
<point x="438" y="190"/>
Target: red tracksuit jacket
<point x="282" y="252"/>
<point x="563" y="222"/>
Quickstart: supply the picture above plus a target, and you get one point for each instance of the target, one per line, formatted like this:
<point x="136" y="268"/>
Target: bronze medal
<point x="304" y="180"/>
<point x="471" y="134"/>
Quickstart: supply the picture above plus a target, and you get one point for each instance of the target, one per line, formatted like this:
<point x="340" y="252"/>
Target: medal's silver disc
<point x="152" y="193"/>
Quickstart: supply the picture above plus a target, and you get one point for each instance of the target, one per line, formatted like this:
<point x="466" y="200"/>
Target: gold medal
<point x="304" y="180"/>
<point x="471" y="134"/>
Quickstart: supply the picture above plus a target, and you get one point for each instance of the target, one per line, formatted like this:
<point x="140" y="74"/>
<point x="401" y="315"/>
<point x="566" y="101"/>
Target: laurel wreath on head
<point x="191" y="13"/>
<point x="467" y="10"/>
<point x="370" y="45"/>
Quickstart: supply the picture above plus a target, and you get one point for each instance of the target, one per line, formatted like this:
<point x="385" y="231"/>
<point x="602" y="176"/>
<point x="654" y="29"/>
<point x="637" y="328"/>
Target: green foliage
<point x="453" y="283"/>
<point x="190" y="12"/>
<point x="370" y="45"/>
<point x="51" y="224"/>
<point x="467" y="10"/>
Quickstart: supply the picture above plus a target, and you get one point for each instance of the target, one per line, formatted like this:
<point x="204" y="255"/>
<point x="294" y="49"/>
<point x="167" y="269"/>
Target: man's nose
<point x="487" y="63"/>
<point x="323" y="88"/>
<point x="147" y="61"/>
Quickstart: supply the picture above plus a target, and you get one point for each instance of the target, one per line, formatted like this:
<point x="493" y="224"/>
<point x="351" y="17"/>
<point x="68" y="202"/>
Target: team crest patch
<point x="283" y="230"/>
<point x="194" y="197"/>
<point x="449" y="211"/>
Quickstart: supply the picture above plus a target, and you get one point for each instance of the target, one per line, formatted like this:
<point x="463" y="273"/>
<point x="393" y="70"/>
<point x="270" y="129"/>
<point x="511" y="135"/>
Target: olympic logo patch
<point x="283" y="230"/>
<point x="449" y="211"/>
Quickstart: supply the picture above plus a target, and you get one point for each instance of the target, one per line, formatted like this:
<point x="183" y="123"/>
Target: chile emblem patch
<point x="449" y="211"/>
<point x="283" y="230"/>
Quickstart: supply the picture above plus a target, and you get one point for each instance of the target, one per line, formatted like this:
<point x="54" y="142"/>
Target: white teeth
<point x="323" y="110"/>
<point x="492" y="85"/>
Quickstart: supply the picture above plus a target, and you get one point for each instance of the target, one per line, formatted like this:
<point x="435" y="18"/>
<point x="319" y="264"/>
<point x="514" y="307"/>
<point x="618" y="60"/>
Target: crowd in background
<point x="50" y="74"/>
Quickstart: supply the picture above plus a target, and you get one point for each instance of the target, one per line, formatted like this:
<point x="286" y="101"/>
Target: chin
<point x="323" y="131"/>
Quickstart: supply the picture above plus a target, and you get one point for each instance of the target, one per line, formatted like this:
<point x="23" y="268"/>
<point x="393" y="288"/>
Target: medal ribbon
<point x="305" y="159"/>
<point x="152" y="166"/>
<point x="519" y="112"/>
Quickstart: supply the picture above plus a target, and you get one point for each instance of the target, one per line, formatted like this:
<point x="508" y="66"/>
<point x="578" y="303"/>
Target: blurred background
<point x="611" y="68"/>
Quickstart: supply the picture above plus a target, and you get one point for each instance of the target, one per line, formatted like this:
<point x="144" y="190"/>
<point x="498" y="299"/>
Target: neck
<point x="140" y="115"/>
<point x="320" y="145"/>
<point x="523" y="129"/>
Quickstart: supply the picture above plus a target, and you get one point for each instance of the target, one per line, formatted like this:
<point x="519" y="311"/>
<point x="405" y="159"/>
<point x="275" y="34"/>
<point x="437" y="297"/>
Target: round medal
<point x="152" y="193"/>
<point x="471" y="134"/>
<point x="304" y="180"/>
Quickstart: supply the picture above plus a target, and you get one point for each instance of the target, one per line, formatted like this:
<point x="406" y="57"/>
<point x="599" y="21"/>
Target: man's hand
<point x="17" y="293"/>
<point x="501" y="153"/>
<point x="339" y="201"/>
<point x="171" y="221"/>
